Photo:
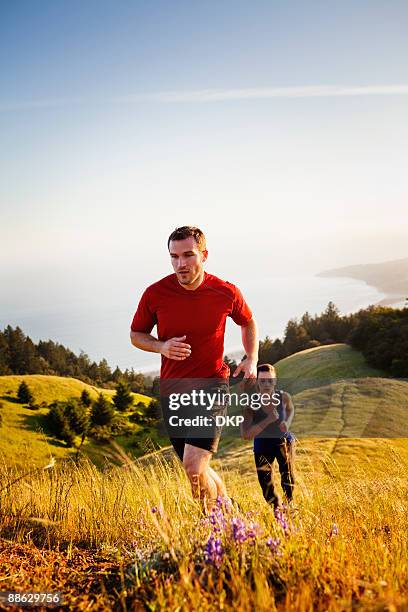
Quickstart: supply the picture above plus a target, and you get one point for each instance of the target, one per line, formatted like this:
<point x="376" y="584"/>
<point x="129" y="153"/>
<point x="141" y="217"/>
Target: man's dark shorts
<point x="204" y="432"/>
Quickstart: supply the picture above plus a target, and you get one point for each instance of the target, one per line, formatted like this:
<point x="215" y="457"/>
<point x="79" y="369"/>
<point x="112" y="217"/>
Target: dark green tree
<point x="296" y="338"/>
<point x="57" y="423"/>
<point x="102" y="412"/>
<point x="123" y="398"/>
<point x="156" y="387"/>
<point x="104" y="371"/>
<point x="117" y="375"/>
<point x="152" y="411"/>
<point x="24" y="394"/>
<point x="85" y="398"/>
<point x="16" y="344"/>
<point x="77" y="416"/>
<point x="4" y="356"/>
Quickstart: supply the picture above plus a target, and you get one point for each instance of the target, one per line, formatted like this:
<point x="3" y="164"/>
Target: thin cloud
<point x="213" y="95"/>
<point x="320" y="91"/>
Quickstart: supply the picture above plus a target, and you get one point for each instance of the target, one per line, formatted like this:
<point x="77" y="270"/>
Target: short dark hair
<point x="180" y="233"/>
<point x="266" y="367"/>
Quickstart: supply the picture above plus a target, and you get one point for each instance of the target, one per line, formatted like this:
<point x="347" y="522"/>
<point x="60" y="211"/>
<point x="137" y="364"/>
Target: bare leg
<point x="203" y="484"/>
<point x="221" y="488"/>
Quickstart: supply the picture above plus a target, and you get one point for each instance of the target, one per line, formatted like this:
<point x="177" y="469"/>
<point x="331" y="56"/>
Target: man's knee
<point x="195" y="461"/>
<point x="193" y="468"/>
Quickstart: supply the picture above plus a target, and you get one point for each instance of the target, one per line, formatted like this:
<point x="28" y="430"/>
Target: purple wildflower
<point x="281" y="519"/>
<point x="334" y="530"/>
<point x="216" y="518"/>
<point x="238" y="530"/>
<point x="214" y="551"/>
<point x="252" y="530"/>
<point x="241" y="532"/>
<point x="273" y="545"/>
<point x="154" y="509"/>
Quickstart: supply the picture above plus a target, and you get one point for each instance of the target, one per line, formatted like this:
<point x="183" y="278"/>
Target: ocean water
<point x="101" y="328"/>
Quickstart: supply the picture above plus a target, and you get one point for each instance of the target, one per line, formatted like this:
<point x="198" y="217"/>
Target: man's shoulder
<point x="162" y="283"/>
<point x="218" y="283"/>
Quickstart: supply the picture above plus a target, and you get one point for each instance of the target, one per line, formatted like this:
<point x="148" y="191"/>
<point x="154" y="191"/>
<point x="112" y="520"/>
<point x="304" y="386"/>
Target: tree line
<point x="20" y="355"/>
<point x="380" y="333"/>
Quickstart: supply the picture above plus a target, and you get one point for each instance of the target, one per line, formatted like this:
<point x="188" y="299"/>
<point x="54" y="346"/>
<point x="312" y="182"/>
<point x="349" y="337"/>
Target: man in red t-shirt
<point x="190" y="308"/>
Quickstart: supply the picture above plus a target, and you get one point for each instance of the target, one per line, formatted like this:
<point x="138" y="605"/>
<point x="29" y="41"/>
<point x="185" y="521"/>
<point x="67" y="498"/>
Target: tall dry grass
<point x="344" y="545"/>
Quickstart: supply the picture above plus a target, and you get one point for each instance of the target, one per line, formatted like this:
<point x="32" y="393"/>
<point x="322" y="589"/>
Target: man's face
<point x="187" y="260"/>
<point x="266" y="382"/>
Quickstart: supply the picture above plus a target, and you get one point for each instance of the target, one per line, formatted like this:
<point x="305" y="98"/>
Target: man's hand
<point x="272" y="413"/>
<point x="175" y="348"/>
<point x="283" y="427"/>
<point x="248" y="367"/>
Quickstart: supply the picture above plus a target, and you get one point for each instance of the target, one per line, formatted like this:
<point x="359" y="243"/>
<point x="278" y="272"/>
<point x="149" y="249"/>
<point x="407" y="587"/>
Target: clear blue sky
<point x="279" y="127"/>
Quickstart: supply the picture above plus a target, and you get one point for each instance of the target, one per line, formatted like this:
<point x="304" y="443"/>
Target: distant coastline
<point x="389" y="277"/>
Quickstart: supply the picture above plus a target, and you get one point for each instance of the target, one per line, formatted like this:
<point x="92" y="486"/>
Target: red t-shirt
<point x="200" y="315"/>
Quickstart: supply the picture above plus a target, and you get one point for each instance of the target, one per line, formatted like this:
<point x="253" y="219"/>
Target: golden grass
<point x="158" y="557"/>
<point x="132" y="537"/>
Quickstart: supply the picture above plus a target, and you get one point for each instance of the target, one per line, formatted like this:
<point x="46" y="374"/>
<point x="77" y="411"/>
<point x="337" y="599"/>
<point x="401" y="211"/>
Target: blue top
<point x="271" y="435"/>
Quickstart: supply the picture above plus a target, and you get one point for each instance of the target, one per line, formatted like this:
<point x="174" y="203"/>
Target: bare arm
<point x="174" y="348"/>
<point x="289" y="408"/>
<point x="249" y="431"/>
<point x="250" y="341"/>
<point x="146" y="342"/>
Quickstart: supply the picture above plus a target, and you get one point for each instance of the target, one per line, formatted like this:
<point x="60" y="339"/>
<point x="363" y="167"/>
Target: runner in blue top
<point x="268" y="426"/>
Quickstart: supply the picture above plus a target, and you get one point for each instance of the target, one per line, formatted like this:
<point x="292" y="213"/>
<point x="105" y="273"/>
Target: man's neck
<point x="193" y="286"/>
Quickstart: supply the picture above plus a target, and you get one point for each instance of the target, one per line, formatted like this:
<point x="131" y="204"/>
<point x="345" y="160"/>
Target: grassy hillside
<point x="362" y="407"/>
<point x="22" y="439"/>
<point x="321" y="366"/>
<point x="48" y="388"/>
<point x="334" y="391"/>
<point x="131" y="537"/>
<point x="134" y="535"/>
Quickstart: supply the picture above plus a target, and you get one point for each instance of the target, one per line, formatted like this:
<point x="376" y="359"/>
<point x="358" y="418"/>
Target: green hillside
<point x="339" y="397"/>
<point x="22" y="439"/>
<point x="49" y="388"/>
<point x="342" y="405"/>
<point x="354" y="408"/>
<point x="321" y="366"/>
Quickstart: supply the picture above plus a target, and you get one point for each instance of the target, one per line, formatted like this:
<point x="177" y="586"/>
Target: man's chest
<point x="192" y="314"/>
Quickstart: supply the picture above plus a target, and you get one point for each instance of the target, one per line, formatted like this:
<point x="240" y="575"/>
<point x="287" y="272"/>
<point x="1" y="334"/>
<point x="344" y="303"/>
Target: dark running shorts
<point x="205" y="435"/>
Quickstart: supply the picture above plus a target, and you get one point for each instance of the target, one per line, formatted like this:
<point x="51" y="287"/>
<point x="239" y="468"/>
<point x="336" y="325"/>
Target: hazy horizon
<point x="280" y="130"/>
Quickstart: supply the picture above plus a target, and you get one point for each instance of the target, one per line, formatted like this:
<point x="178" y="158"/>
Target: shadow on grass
<point x="33" y="422"/>
<point x="12" y="400"/>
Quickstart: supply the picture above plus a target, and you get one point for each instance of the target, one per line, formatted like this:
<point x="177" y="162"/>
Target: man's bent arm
<point x="249" y="431"/>
<point x="174" y="348"/>
<point x="250" y="341"/>
<point x="146" y="342"/>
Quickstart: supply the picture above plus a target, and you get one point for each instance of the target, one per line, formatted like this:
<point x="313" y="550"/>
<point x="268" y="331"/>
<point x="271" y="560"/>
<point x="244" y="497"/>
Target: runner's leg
<point x="178" y="446"/>
<point x="264" y="470"/>
<point x="285" y="457"/>
<point x="221" y="488"/>
<point x="203" y="486"/>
